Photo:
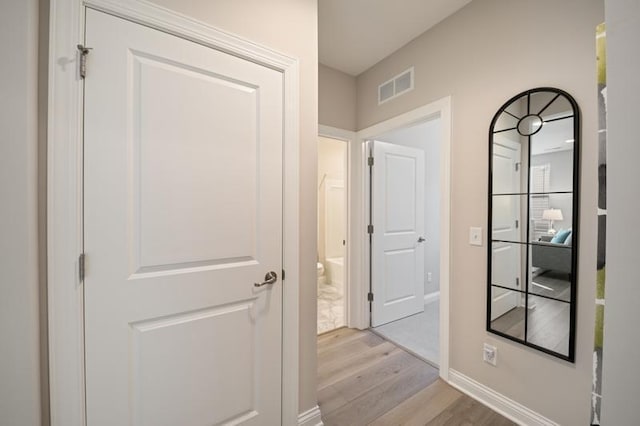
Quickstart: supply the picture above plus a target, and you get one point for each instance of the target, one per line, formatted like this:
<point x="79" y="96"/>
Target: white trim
<point x="442" y="109"/>
<point x="310" y="417"/>
<point x="509" y="408"/>
<point x="64" y="192"/>
<point x="431" y="297"/>
<point x="352" y="259"/>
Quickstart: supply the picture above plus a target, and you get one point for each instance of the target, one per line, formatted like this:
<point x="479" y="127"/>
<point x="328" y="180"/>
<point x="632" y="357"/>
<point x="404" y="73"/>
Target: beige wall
<point x="289" y="26"/>
<point x="621" y="375"/>
<point x="336" y="98"/>
<point x="481" y="56"/>
<point x="19" y="286"/>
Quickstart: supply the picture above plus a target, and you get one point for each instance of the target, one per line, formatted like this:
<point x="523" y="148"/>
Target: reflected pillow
<point x="569" y="239"/>
<point x="560" y="236"/>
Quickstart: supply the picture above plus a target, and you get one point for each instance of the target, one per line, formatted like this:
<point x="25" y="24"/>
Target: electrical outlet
<point x="429" y="277"/>
<point x="490" y="354"/>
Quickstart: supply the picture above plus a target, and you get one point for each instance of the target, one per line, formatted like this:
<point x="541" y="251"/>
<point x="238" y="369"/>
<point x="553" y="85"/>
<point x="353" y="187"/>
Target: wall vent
<point x="398" y="85"/>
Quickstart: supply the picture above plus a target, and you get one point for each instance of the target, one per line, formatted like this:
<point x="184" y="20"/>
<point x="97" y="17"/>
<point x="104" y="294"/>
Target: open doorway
<point x="332" y="233"/>
<point x="405" y="249"/>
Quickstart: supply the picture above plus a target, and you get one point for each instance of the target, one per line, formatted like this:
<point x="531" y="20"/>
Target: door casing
<point x="360" y="285"/>
<point x="65" y="306"/>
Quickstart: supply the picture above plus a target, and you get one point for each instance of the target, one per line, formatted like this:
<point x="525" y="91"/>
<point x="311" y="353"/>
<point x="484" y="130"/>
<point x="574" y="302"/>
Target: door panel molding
<point x="64" y="191"/>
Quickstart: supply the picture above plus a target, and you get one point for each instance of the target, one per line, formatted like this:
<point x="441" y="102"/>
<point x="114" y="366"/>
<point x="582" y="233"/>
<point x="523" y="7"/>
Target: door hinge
<point x="517" y="282"/>
<point x="370" y="161"/>
<point x="517" y="166"/>
<point x="370" y="297"/>
<point x="283" y="275"/>
<point x="82" y="63"/>
<point x="369" y="229"/>
<point x="81" y="267"/>
<point x="517" y="223"/>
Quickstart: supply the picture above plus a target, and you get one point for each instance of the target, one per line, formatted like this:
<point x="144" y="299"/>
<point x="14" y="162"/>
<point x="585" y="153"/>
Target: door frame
<point x="441" y="109"/>
<point x="351" y="261"/>
<point x="65" y="298"/>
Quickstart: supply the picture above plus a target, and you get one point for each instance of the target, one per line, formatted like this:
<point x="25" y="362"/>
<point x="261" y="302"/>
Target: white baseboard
<point x="310" y="417"/>
<point x="431" y="297"/>
<point x="509" y="408"/>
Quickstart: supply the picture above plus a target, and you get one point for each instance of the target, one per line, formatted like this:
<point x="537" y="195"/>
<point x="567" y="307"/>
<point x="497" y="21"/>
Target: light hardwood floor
<point x="366" y="380"/>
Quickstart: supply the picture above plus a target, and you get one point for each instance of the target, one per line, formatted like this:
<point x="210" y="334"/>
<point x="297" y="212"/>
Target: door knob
<point x="270" y="278"/>
<point x="421" y="240"/>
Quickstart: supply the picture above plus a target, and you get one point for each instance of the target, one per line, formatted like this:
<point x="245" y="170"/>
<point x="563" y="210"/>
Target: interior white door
<point x="397" y="246"/>
<point x="505" y="262"/>
<point x="182" y="215"/>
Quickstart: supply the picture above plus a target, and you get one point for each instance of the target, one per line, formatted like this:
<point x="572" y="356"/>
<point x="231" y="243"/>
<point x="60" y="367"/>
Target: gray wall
<point x="426" y="137"/>
<point x="621" y="375"/>
<point x="484" y="54"/>
<point x="336" y="98"/>
<point x="20" y="397"/>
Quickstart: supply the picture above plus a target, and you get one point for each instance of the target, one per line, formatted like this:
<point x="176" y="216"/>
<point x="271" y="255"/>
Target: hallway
<point x="366" y="380"/>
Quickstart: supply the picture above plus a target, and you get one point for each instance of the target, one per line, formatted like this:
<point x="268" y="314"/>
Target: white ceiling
<point x="553" y="137"/>
<point x="354" y="35"/>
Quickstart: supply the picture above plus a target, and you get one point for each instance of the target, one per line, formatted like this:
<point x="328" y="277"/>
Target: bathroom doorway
<point x="332" y="233"/>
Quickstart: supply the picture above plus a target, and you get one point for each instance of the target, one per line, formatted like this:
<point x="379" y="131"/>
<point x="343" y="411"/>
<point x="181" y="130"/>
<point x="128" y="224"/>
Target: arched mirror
<point x="534" y="143"/>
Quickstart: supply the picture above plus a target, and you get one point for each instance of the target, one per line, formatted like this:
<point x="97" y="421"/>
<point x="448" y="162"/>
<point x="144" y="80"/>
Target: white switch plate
<point x="429" y="277"/>
<point x="475" y="236"/>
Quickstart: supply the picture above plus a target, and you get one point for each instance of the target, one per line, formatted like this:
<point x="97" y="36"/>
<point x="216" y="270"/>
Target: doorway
<point x="332" y="233"/>
<point x="405" y="308"/>
<point x="439" y="110"/>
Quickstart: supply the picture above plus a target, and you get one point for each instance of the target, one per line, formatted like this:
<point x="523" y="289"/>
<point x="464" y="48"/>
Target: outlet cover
<point x="490" y="354"/>
<point x="429" y="277"/>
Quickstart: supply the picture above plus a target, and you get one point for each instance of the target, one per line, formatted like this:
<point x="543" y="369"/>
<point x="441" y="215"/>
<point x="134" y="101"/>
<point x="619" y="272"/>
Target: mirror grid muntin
<point x="549" y="288"/>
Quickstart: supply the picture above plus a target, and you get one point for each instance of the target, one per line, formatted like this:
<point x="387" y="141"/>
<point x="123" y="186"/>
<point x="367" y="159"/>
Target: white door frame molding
<point x="352" y="259"/>
<point x="437" y="109"/>
<point x="64" y="191"/>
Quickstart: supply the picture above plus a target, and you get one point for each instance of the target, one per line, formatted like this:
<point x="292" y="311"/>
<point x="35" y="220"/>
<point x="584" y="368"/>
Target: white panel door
<point x="182" y="215"/>
<point x="505" y="261"/>
<point x="397" y="270"/>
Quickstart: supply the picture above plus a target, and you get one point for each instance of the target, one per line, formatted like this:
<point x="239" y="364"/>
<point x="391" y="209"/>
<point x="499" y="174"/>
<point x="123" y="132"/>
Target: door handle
<point x="421" y="240"/>
<point x="270" y="278"/>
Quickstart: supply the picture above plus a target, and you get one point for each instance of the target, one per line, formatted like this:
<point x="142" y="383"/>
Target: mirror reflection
<point x="533" y="221"/>
<point x="548" y="324"/>
<point x="508" y="312"/>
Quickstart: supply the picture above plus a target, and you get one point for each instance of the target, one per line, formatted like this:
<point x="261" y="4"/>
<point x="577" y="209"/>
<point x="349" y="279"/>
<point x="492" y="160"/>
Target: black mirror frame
<point x="575" y="225"/>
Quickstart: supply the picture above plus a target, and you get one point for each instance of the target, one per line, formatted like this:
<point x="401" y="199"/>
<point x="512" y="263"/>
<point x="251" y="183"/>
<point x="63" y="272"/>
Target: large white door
<point x="505" y="261"/>
<point x="397" y="261"/>
<point x="182" y="215"/>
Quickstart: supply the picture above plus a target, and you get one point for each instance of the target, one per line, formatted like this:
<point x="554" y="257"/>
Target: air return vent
<point x="398" y="85"/>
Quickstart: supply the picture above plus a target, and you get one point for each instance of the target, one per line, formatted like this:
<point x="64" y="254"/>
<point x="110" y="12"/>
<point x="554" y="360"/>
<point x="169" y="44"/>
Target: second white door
<point x="397" y="246"/>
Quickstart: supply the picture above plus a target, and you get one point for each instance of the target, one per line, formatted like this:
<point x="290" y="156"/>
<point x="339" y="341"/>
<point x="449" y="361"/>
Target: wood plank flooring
<point x="365" y="380"/>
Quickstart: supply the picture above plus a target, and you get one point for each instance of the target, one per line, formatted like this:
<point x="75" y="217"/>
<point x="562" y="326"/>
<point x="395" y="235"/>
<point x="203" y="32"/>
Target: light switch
<point x="475" y="236"/>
